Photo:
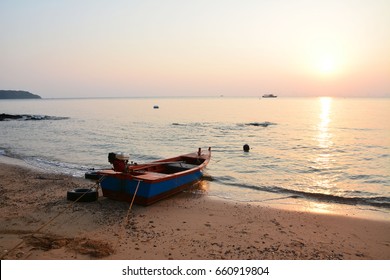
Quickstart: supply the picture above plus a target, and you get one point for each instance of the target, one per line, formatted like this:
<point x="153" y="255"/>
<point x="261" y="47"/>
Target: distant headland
<point x="17" y="94"/>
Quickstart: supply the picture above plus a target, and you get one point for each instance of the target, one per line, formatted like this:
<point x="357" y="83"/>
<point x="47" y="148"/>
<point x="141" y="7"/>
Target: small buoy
<point x="246" y="148"/>
<point x="155" y="107"/>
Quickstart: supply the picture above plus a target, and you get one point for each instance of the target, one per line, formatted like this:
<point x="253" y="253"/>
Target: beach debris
<point x="85" y="246"/>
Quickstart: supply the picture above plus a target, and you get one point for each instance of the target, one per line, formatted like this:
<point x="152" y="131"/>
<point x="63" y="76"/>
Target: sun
<point x="326" y="65"/>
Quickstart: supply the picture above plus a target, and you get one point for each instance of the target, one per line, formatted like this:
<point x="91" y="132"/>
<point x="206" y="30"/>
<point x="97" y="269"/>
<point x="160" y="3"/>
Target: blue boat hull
<point x="122" y="187"/>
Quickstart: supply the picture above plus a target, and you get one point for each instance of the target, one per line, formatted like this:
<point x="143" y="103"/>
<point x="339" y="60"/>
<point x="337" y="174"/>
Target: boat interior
<point x="168" y="167"/>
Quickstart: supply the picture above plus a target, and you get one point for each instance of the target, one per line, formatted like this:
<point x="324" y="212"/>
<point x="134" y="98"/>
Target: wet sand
<point x="37" y="222"/>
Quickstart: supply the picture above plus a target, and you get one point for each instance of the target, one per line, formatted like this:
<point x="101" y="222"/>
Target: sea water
<point x="320" y="154"/>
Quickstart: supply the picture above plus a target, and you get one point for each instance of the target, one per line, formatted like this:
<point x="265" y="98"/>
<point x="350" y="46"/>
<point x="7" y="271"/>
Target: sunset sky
<point x="114" y="48"/>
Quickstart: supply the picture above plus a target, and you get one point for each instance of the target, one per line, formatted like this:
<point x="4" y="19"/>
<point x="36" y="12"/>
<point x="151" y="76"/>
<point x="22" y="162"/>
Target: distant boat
<point x="150" y="182"/>
<point x="269" y="96"/>
<point x="155" y="107"/>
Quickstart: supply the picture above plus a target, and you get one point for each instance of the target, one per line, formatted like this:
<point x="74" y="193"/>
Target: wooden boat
<point x="150" y="182"/>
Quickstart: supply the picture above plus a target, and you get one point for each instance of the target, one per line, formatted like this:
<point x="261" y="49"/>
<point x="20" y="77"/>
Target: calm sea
<point x="322" y="154"/>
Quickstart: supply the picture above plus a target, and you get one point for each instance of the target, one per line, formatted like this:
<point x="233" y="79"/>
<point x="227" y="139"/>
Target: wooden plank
<point x="151" y="176"/>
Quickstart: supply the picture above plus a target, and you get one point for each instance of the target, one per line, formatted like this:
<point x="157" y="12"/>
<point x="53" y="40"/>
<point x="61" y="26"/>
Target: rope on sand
<point x="49" y="222"/>
<point x="126" y="219"/>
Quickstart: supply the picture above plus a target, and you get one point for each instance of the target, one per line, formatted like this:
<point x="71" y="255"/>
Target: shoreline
<point x="273" y="200"/>
<point x="188" y="226"/>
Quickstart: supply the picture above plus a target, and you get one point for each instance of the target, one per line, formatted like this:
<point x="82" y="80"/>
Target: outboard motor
<point x="119" y="161"/>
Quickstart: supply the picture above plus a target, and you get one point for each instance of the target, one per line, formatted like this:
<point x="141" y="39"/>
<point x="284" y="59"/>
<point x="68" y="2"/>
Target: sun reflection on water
<point x="324" y="137"/>
<point x="323" y="208"/>
<point x="323" y="160"/>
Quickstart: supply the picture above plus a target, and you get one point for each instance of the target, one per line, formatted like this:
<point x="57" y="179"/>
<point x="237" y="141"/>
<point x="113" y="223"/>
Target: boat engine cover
<point x="111" y="157"/>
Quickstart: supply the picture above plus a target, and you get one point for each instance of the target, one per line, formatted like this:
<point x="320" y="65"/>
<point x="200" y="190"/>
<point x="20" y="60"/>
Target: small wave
<point x="44" y="118"/>
<point x="377" y="201"/>
<point x="224" y="179"/>
<point x="359" y="177"/>
<point x="58" y="167"/>
<point x="357" y="128"/>
<point x="192" y="124"/>
<point x="311" y="170"/>
<point x="378" y="181"/>
<point x="9" y="153"/>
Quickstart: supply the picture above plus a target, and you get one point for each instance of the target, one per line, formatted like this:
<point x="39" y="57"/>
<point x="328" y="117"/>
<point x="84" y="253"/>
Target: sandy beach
<point x="37" y="222"/>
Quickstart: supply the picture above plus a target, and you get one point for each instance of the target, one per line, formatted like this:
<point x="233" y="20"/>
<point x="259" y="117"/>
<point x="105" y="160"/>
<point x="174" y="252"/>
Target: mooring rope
<point x="51" y="220"/>
<point x="126" y="219"/>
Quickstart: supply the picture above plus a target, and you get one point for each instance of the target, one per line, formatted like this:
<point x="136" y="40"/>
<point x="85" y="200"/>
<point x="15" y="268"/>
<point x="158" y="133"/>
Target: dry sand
<point x="37" y="222"/>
